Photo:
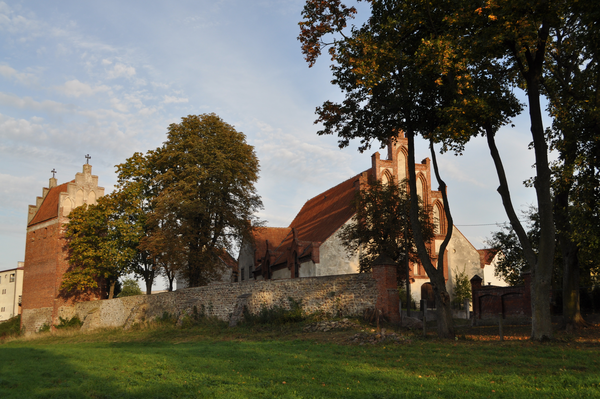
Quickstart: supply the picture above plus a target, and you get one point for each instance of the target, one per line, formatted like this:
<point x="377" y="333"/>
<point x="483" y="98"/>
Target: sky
<point x="106" y="78"/>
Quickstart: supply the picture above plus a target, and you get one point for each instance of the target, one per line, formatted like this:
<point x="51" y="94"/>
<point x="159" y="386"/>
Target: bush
<point x="129" y="287"/>
<point x="462" y="288"/>
<point x="73" y="322"/>
<point x="277" y="314"/>
<point x="10" y="327"/>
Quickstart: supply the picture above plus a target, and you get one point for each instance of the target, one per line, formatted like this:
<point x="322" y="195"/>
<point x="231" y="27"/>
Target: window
<point x="0" y="279"/>
<point x="12" y="278"/>
<point x="243" y="274"/>
<point x="2" y="309"/>
<point x="4" y="291"/>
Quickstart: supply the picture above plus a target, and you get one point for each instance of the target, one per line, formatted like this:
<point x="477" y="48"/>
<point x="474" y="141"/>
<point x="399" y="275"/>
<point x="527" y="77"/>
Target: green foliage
<point x="44" y="328"/>
<point x="101" y="246"/>
<point x="72" y="323"/>
<point x="205" y="198"/>
<point x="462" y="288"/>
<point x="276" y="314"/>
<point x="130" y="287"/>
<point x="381" y="226"/>
<point x="10" y="327"/>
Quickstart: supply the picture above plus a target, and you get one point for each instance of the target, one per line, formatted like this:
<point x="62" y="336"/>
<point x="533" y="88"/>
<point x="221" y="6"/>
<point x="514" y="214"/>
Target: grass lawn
<point x="214" y="361"/>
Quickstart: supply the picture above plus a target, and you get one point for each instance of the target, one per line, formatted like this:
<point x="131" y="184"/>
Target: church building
<point x="45" y="249"/>
<point x="311" y="244"/>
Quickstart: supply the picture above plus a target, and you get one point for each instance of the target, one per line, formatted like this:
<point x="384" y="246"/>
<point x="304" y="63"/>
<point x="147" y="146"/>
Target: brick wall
<point x="347" y="294"/>
<point x="511" y="302"/>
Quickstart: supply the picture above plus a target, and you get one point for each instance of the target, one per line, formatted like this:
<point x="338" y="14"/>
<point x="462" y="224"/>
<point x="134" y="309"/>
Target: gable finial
<point x="87" y="159"/>
<point x="53" y="171"/>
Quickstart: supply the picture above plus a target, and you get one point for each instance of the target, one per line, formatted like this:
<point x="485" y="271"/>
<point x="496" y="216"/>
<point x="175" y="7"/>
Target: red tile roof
<point x="324" y="214"/>
<point x="49" y="208"/>
<point x="228" y="259"/>
<point x="275" y="235"/>
<point x="487" y="255"/>
<point x="321" y="216"/>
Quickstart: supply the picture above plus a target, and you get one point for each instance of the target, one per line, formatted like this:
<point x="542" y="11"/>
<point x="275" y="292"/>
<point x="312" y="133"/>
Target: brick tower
<point x="45" y="252"/>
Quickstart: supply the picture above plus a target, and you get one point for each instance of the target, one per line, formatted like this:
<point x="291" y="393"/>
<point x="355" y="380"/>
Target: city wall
<point x="347" y="294"/>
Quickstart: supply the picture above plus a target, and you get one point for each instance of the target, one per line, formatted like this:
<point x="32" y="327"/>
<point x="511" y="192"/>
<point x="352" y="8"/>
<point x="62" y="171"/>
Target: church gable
<point x="47" y="205"/>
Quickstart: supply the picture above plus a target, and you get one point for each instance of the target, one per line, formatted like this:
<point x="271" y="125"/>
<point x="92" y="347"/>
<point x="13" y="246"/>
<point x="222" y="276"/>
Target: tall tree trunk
<point x="436" y="275"/>
<point x="541" y="276"/>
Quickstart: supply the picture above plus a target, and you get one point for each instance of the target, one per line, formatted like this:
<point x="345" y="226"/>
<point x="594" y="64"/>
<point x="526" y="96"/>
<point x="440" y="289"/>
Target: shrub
<point x="277" y="314"/>
<point x="129" y="287"/>
<point x="462" y="288"/>
<point x="10" y="327"/>
<point x="73" y="322"/>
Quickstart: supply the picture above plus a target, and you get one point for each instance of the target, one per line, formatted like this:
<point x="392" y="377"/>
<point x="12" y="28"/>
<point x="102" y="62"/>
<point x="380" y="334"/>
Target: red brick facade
<point x="388" y="298"/>
<point x="45" y="251"/>
<point x="491" y="301"/>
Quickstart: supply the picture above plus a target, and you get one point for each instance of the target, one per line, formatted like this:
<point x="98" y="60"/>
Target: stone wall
<point x="346" y="294"/>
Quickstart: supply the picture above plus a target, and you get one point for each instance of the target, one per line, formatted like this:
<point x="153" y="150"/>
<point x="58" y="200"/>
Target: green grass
<point x="212" y="361"/>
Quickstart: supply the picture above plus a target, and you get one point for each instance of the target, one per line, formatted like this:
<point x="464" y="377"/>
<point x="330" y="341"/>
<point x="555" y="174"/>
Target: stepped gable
<point x="48" y="209"/>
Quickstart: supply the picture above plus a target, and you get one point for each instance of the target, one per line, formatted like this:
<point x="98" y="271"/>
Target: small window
<point x="4" y="291"/>
<point x="243" y="274"/>
<point x="2" y="310"/>
<point x="12" y="278"/>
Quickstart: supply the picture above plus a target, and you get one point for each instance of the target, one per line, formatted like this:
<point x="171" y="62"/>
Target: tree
<point x="381" y="226"/>
<point x="133" y="195"/>
<point x="130" y="287"/>
<point x="571" y="85"/>
<point x="101" y="246"/>
<point x="206" y="198"/>
<point x="512" y="262"/>
<point x="400" y="71"/>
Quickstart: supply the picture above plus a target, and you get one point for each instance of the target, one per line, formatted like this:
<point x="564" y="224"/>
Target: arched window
<point x="386" y="177"/>
<point x="401" y="165"/>
<point x="439" y="218"/>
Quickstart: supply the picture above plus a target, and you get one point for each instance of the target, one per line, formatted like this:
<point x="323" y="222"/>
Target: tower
<point x="45" y="249"/>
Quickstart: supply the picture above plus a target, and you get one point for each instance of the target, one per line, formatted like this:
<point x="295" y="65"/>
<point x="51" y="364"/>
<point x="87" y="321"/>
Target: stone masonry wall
<point x="346" y="294"/>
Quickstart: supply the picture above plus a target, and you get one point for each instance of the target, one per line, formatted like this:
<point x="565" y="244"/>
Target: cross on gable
<point x="87" y="157"/>
<point x="53" y="171"/>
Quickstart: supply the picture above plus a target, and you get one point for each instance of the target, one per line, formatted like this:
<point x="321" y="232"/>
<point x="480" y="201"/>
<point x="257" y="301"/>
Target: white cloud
<point x="21" y="77"/>
<point x="75" y="88"/>
<point x="173" y="99"/>
<point x="53" y="107"/>
<point x="106" y="62"/>
<point x="119" y="105"/>
<point x="17" y="191"/>
<point x="121" y="70"/>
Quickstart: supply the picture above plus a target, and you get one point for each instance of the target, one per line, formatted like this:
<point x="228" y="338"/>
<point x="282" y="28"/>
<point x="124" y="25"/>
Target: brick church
<point x="45" y="254"/>
<point x="311" y="245"/>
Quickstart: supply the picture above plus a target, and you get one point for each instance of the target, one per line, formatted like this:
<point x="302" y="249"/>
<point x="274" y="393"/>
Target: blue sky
<point x="107" y="78"/>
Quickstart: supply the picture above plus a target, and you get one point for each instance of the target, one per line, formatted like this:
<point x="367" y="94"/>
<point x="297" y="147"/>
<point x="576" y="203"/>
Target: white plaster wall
<point x="489" y="271"/>
<point x="308" y="269"/>
<point x="9" y="292"/>
<point x="281" y="273"/>
<point x="334" y="258"/>
<point x="462" y="255"/>
<point x="245" y="260"/>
